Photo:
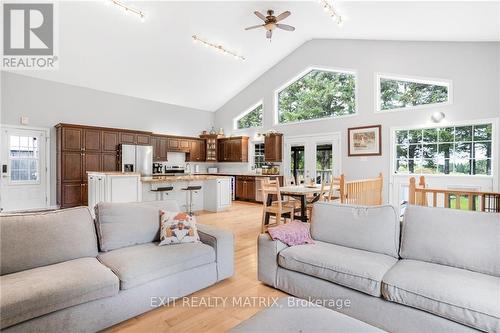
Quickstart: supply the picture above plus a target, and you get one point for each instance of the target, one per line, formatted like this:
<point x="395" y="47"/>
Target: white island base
<point x="214" y="195"/>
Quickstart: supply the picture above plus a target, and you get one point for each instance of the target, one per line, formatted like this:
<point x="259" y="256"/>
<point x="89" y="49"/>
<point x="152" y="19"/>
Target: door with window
<point x="23" y="169"/>
<point x="312" y="158"/>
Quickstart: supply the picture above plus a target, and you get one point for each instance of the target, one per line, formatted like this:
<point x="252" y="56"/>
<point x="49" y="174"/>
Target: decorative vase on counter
<point x="221" y="131"/>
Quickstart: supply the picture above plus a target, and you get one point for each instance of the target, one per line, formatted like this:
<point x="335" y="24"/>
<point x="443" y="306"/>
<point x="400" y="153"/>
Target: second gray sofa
<point x="54" y="279"/>
<point x="443" y="276"/>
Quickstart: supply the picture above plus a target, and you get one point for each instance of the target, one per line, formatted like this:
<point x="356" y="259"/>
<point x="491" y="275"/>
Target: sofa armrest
<point x="268" y="251"/>
<point x="223" y="243"/>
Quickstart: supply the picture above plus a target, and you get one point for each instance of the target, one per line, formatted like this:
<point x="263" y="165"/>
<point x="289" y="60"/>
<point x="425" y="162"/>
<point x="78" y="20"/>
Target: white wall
<point x="473" y="67"/>
<point x="47" y="103"/>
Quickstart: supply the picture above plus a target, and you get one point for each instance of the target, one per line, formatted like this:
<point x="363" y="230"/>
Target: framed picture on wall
<point x="365" y="141"/>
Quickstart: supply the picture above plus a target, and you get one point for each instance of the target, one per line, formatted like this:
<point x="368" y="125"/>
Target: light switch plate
<point x="25" y="120"/>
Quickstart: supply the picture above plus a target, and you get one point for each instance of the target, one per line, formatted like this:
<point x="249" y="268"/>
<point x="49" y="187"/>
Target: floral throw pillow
<point x="177" y="227"/>
<point x="293" y="233"/>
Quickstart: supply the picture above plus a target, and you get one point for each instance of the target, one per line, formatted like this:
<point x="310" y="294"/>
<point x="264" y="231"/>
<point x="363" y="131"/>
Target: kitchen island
<point x="214" y="195"/>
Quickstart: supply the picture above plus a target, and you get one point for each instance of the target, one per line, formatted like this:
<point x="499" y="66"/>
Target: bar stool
<point x="160" y="191"/>
<point x="189" y="199"/>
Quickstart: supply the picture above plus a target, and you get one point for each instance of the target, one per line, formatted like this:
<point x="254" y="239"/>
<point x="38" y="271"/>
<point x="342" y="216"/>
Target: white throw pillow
<point x="177" y="227"/>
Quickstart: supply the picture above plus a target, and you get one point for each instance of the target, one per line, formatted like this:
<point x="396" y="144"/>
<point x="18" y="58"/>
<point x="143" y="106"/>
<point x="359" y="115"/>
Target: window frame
<point x="247" y="111"/>
<point x="414" y="79"/>
<point x="301" y="75"/>
<point x="494" y="148"/>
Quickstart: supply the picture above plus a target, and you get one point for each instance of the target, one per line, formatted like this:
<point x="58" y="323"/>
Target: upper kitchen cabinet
<point x="110" y="141"/>
<point x="160" y="144"/>
<point x="273" y="147"/>
<point x="233" y="149"/>
<point x="197" y="151"/>
<point x="180" y="144"/>
<point x="135" y="138"/>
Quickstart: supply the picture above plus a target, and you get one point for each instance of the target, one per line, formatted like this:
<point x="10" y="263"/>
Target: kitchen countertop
<point x="185" y="178"/>
<point x="248" y="174"/>
<point x="113" y="173"/>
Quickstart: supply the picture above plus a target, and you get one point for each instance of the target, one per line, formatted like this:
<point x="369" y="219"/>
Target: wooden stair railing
<point x="476" y="200"/>
<point x="367" y="192"/>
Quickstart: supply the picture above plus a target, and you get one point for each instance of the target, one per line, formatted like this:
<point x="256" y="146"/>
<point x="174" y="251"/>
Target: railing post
<point x="411" y="191"/>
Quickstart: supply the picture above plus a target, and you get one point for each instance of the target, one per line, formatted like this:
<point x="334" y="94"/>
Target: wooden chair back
<point x="271" y="187"/>
<point x="366" y="192"/>
<point x="336" y="182"/>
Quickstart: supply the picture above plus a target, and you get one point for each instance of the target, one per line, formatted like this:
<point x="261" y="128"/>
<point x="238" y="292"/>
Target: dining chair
<point x="334" y="194"/>
<point x="323" y="195"/>
<point x="279" y="208"/>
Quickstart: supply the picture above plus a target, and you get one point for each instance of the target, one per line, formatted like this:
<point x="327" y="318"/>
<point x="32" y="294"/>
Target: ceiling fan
<point x="271" y="22"/>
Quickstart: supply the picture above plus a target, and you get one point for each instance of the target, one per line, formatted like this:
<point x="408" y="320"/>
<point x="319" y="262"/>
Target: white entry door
<point x="312" y="157"/>
<point x="23" y="179"/>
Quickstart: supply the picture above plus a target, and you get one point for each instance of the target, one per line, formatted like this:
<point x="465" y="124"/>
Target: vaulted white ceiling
<point x="101" y="48"/>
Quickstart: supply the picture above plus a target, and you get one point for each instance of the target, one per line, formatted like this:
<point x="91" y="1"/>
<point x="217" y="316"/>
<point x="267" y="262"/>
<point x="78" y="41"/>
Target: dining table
<point x="301" y="193"/>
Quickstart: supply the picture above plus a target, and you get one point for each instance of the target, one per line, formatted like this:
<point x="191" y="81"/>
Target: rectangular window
<point x="454" y="150"/>
<point x="401" y="93"/>
<point x="23" y="159"/>
<point x="259" y="155"/>
<point x="316" y="95"/>
<point x="324" y="163"/>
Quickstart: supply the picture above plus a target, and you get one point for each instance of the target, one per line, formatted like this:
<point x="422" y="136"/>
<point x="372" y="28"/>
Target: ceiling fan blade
<point x="282" y="16"/>
<point x="259" y="15"/>
<point x="269" y="34"/>
<point x="285" y="27"/>
<point x="254" y="27"/>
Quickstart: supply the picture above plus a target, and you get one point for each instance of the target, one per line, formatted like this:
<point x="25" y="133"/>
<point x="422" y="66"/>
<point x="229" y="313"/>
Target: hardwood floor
<point x="243" y="219"/>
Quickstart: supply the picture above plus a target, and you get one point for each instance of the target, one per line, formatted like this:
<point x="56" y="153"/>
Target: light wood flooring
<point x="244" y="220"/>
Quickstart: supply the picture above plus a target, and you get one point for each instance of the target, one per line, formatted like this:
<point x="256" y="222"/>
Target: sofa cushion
<point x="124" y="224"/>
<point x="374" y="229"/>
<point x="40" y="239"/>
<point x="452" y="237"/>
<point x="38" y="291"/>
<point x="356" y="269"/>
<point x="139" y="264"/>
<point x="460" y="295"/>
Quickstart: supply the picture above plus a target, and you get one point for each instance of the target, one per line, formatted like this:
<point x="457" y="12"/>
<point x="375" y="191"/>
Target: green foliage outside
<point x="251" y="119"/>
<point x="446" y="150"/>
<point x="395" y="94"/>
<point x="318" y="94"/>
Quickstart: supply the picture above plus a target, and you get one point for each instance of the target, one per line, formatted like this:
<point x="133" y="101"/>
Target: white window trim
<point x="415" y="79"/>
<point x="303" y="73"/>
<point x="247" y="111"/>
<point x="494" y="148"/>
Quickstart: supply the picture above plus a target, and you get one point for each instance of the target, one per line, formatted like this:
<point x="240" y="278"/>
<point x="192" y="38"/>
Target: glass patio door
<point x="312" y="158"/>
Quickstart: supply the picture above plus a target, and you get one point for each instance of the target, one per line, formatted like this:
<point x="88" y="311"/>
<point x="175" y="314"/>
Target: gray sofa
<point x="54" y="278"/>
<point x="440" y="274"/>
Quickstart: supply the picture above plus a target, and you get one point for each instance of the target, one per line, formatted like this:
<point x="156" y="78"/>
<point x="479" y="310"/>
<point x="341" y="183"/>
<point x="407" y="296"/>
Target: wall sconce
<point x="437" y="117"/>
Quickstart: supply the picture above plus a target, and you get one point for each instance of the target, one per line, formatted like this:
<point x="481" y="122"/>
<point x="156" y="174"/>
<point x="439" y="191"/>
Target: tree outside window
<point x="459" y="150"/>
<point x="251" y="119"/>
<point x="401" y="93"/>
<point x="318" y="94"/>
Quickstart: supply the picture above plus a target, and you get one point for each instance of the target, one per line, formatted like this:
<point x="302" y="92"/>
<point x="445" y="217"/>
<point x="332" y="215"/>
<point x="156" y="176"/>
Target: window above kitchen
<point x="251" y="118"/>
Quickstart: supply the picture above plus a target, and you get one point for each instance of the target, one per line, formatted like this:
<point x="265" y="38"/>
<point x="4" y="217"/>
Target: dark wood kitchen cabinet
<point x="88" y="148"/>
<point x="245" y="188"/>
<point x="110" y="141"/>
<point x="135" y="138"/>
<point x="233" y="149"/>
<point x="160" y="145"/>
<point x="273" y="147"/>
<point x="197" y="152"/>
